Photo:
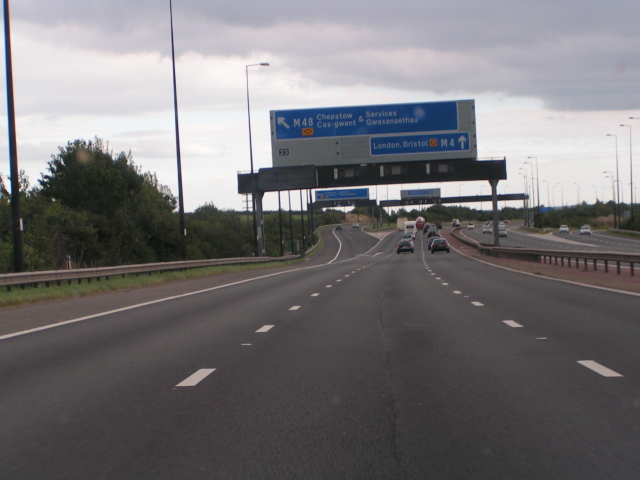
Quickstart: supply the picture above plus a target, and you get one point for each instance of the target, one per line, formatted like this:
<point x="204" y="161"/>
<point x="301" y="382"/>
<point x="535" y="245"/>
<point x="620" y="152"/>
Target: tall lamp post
<point x="526" y="193"/>
<point x="616" y="202"/>
<point x="537" y="189"/>
<point x="613" y="194"/>
<point x="253" y="195"/>
<point x="630" y="167"/>
<point x="578" y="193"/>
<point x="18" y="262"/>
<point x="561" y="193"/>
<point x="548" y="197"/>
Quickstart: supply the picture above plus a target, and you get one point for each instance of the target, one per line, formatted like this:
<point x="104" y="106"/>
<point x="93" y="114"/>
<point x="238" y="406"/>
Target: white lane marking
<point x="315" y="294"/>
<point x="433" y="274"/>
<point x="264" y="329"/>
<point x="295" y="307"/>
<point x="596" y="367"/>
<point x="353" y="272"/>
<point x="457" y="292"/>
<point x="466" y="296"/>
<point x="339" y="280"/>
<point x="346" y="275"/>
<point x="328" y="286"/>
<point x="196" y="378"/>
<point x="245" y="344"/>
<point x="477" y="304"/>
<point x="339" y="248"/>
<point x="438" y="278"/>
<point x="379" y="253"/>
<point x="445" y="283"/>
<point x="541" y="338"/>
<point x="513" y="324"/>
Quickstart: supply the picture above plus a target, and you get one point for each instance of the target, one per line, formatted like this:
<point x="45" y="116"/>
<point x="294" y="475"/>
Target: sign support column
<point x="496" y="219"/>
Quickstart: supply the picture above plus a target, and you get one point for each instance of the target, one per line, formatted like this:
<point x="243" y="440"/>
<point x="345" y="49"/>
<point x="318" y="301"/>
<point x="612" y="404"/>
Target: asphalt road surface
<point x="361" y="363"/>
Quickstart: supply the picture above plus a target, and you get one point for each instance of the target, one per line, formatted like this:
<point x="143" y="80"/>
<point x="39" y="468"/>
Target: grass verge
<point x="41" y="293"/>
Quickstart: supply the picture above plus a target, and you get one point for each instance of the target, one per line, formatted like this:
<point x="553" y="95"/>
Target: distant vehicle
<point x="338" y="227"/>
<point x="404" y="245"/>
<point x="355" y="225"/>
<point x="420" y="223"/>
<point x="440" y="245"/>
<point x="502" y="231"/>
<point x="471" y="226"/>
<point x="563" y="229"/>
<point x="401" y="221"/>
<point x="585" y="230"/>
<point x="486" y="228"/>
<point x="432" y="232"/>
<point x="410" y="227"/>
<point x="439" y="225"/>
<point x="455" y="223"/>
<point x="407" y="235"/>
<point x="431" y="240"/>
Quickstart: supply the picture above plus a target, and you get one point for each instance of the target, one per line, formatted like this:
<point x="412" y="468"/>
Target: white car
<point x="471" y="226"/>
<point x="502" y="231"/>
<point x="585" y="230"/>
<point x="563" y="229"/>
<point x="355" y="225"/>
<point x="487" y="229"/>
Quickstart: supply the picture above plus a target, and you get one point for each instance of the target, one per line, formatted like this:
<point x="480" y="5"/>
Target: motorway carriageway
<point x="360" y="363"/>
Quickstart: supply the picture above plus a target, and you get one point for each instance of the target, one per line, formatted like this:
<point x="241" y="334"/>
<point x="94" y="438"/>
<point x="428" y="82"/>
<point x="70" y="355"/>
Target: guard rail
<point x="559" y="257"/>
<point x="59" y="276"/>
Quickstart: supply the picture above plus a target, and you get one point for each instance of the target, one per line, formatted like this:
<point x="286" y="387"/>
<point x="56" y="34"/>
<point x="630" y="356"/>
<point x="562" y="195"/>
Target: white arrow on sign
<point x="462" y="141"/>
<point x="282" y="122"/>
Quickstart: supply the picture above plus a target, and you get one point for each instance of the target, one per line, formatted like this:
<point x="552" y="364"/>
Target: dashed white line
<point x="196" y="378"/>
<point x="295" y="307"/>
<point x="596" y="367"/>
<point x="444" y="283"/>
<point x="266" y="328"/>
<point x="457" y="292"/>
<point x="245" y="344"/>
<point x="346" y="275"/>
<point x="329" y="286"/>
<point x="477" y="304"/>
<point x="315" y="294"/>
<point x="512" y="324"/>
<point x="339" y="280"/>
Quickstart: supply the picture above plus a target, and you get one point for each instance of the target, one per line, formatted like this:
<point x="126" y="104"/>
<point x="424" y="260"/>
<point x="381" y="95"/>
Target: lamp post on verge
<point x="578" y="192"/>
<point x="253" y="195"/>
<point x="18" y="257"/>
<point x="596" y="190"/>
<point x="553" y="196"/>
<point x="548" y="197"/>
<point x="616" y="199"/>
<point x="613" y="194"/>
<point x="630" y="166"/>
<point x="561" y="194"/>
<point x="537" y="190"/>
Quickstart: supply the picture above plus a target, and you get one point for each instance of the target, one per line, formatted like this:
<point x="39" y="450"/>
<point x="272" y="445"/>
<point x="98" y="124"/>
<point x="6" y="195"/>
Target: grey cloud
<point x="573" y="55"/>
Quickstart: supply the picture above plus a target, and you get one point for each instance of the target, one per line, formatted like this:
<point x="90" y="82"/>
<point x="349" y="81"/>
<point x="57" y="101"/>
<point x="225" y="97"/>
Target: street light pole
<point x="253" y="194"/>
<point x="18" y="257"/>
<point x="537" y="190"/>
<point x="616" y="202"/>
<point x="548" y="197"/>
<point x="183" y="229"/>
<point x="578" y="193"/>
<point x="561" y="193"/>
<point x="630" y="167"/>
<point x="613" y="194"/>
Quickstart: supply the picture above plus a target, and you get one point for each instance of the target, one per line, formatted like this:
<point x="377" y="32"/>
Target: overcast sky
<point x="550" y="80"/>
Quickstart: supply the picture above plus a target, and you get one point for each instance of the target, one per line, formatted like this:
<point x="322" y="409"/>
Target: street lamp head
<point x="623" y="125"/>
<point x="264" y="64"/>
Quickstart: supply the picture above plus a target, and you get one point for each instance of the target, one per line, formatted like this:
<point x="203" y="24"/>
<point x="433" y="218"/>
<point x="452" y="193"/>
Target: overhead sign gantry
<point x="336" y="136"/>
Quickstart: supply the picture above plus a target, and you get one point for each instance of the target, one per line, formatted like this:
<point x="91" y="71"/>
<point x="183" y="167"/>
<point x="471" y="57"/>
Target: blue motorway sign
<point x="366" y="120"/>
<point x="347" y="194"/>
<point x="443" y="142"/>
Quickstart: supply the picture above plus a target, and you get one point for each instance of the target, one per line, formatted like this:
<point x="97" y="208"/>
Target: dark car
<point x="405" y="245"/>
<point x="431" y="240"/>
<point x="433" y="232"/>
<point x="440" y="245"/>
<point x="338" y="227"/>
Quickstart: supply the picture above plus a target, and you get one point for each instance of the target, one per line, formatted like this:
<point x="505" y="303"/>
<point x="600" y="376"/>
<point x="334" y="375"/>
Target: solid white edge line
<point x="339" y="248"/>
<point x="196" y="378"/>
<point x="601" y="369"/>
